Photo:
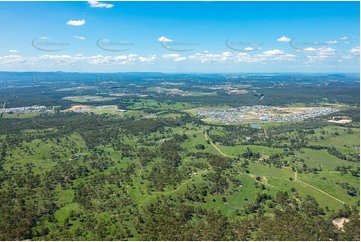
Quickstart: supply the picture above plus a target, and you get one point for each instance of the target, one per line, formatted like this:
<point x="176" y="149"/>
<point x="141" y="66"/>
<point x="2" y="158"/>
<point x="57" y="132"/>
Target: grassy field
<point x="85" y="99"/>
<point x="159" y="106"/>
<point x="326" y="186"/>
<point x="40" y="154"/>
<point x="345" y="139"/>
<point x="279" y="178"/>
<point x="20" y="115"/>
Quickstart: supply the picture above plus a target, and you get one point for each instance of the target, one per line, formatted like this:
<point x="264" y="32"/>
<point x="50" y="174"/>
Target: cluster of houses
<point x="262" y="113"/>
<point x="299" y="116"/>
<point x="31" y="109"/>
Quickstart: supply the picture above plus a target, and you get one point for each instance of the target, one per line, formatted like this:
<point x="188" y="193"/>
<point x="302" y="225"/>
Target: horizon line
<point x="300" y="72"/>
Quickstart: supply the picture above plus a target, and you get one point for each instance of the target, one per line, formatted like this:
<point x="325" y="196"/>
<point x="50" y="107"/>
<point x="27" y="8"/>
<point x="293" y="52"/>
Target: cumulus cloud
<point x="322" y="54"/>
<point x="344" y="38"/>
<point x="244" y="57"/>
<point x="309" y="49"/>
<point x="273" y="55"/>
<point x="79" y="37"/>
<point x="316" y="55"/>
<point x="248" y="49"/>
<point x="205" y="56"/>
<point x="126" y="59"/>
<point x="59" y="59"/>
<point x="284" y="39"/>
<point x="97" y="4"/>
<point x="76" y="22"/>
<point x="269" y="55"/>
<point x="164" y="39"/>
<point x="273" y="52"/>
<point x="13" y="51"/>
<point x="105" y="60"/>
<point x="355" y="50"/>
<point x="331" y="42"/>
<point x="68" y="60"/>
<point x="174" y="57"/>
<point x="147" y="60"/>
<point x="12" y="59"/>
<point x="347" y="57"/>
<point x="99" y="59"/>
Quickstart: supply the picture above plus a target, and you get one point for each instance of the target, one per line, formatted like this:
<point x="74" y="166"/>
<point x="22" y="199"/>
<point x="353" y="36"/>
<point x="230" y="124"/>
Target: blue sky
<point x="180" y="36"/>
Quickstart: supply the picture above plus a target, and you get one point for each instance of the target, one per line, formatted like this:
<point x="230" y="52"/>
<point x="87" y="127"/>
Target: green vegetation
<point x="86" y="99"/>
<point x="157" y="172"/>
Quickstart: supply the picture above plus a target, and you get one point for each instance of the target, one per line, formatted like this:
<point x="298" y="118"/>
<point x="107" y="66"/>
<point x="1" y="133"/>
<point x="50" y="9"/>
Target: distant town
<point x="31" y="109"/>
<point x="262" y="113"/>
<point x="227" y="115"/>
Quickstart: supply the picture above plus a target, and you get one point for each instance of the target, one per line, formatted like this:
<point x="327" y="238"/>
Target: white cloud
<point x="164" y="39"/>
<point x="13" y="51"/>
<point x="59" y="59"/>
<point x="174" y="57"/>
<point x="248" y="49"/>
<point x="205" y="56"/>
<point x="147" y="60"/>
<point x="273" y="52"/>
<point x="76" y="22"/>
<point x="126" y="59"/>
<point x="347" y="57"/>
<point x="99" y="59"/>
<point x="79" y="37"/>
<point x="355" y="51"/>
<point x="227" y="54"/>
<point x="344" y="38"/>
<point x="97" y="4"/>
<point x="273" y="55"/>
<point x="43" y="37"/>
<point x="12" y="59"/>
<point x="105" y="60"/>
<point x="244" y="57"/>
<point x="78" y="59"/>
<point x="121" y="57"/>
<point x="309" y="49"/>
<point x="269" y="55"/>
<point x="132" y="55"/>
<point x="322" y="54"/>
<point x="284" y="39"/>
<point x="331" y="42"/>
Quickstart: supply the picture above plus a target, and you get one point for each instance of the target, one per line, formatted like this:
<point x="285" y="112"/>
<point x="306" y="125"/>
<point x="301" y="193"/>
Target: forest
<point x="155" y="171"/>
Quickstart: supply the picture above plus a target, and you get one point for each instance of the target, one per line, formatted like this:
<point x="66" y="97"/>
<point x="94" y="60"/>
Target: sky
<point x="207" y="37"/>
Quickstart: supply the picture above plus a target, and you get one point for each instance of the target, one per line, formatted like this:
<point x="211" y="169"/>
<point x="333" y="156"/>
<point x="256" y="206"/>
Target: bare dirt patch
<point x="241" y="91"/>
<point x="78" y="107"/>
<point x="340" y="120"/>
<point x="340" y="222"/>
